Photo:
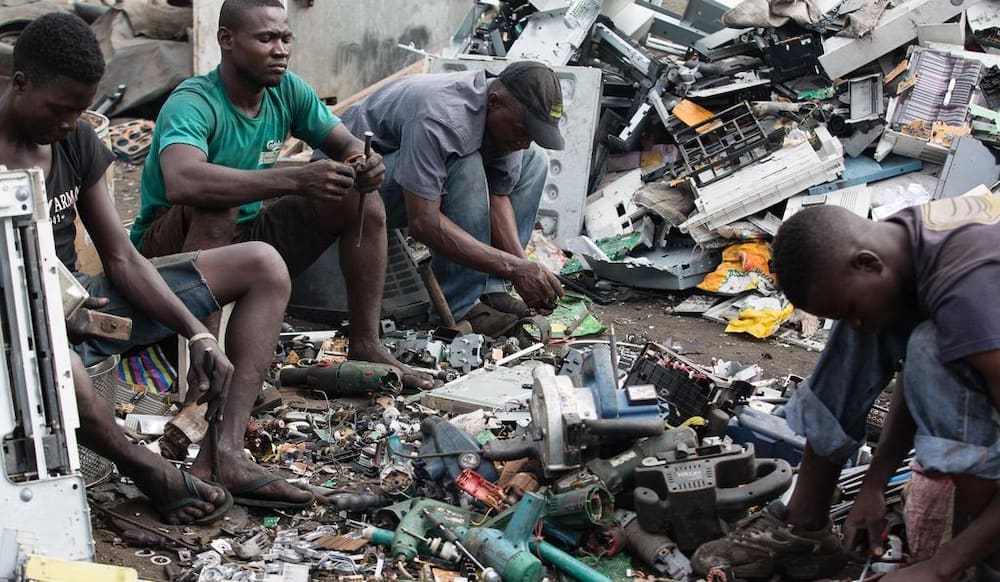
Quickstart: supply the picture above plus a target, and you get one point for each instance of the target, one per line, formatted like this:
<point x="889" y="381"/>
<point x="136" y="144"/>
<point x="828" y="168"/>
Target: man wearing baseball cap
<point x="463" y="175"/>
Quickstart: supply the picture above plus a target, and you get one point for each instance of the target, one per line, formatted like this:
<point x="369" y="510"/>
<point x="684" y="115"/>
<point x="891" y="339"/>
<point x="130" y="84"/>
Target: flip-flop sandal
<point x="195" y="496"/>
<point x="259" y="483"/>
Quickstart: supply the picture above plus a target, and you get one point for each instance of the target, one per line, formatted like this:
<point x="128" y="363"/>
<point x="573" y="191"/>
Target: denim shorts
<point x="184" y="279"/>
<point x="958" y="425"/>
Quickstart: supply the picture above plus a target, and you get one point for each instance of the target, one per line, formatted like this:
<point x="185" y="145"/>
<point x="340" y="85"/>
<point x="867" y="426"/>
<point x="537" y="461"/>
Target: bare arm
<point x="139" y="283"/>
<point x="427" y="224"/>
<point x="430" y="226"/>
<point x="341" y="144"/>
<point x="503" y="226"/>
<point x="130" y="273"/>
<point x="191" y="180"/>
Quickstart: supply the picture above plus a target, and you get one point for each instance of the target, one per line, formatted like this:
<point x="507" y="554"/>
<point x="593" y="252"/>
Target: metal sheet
<point x="857" y="199"/>
<point x="669" y="269"/>
<point x="567" y="185"/>
<point x="499" y="389"/>
<point x="969" y="164"/>
<point x="554" y="36"/>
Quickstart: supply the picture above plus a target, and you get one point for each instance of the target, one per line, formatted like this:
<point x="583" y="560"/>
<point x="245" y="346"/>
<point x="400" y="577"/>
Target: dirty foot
<point x="179" y="497"/>
<point x="253" y="485"/>
<point x="411" y="380"/>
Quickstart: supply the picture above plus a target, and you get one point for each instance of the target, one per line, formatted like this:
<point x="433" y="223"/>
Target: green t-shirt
<point x="199" y="113"/>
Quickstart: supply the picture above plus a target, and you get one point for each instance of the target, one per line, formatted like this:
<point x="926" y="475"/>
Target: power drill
<point x="348" y="378"/>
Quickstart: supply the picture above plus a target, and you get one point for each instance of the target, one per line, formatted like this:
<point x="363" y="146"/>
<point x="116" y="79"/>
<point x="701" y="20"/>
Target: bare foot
<point x="238" y="472"/>
<point x="411" y="380"/>
<point x="164" y="484"/>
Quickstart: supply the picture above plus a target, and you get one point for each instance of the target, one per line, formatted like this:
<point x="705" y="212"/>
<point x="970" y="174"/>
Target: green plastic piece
<point x="571" y="314"/>
<point x="270" y="521"/>
<point x="591" y="505"/>
<point x="382" y="537"/>
<point x="817" y="94"/>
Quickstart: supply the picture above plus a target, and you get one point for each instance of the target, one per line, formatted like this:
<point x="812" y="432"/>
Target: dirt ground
<point x="637" y="317"/>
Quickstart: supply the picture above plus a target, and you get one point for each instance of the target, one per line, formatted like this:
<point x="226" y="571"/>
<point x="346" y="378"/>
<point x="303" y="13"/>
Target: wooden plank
<point x="416" y="68"/>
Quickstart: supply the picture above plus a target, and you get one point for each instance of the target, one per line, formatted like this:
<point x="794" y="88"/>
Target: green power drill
<point x="348" y="378"/>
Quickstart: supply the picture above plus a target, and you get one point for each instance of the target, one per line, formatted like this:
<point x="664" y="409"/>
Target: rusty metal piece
<point x="341" y="543"/>
<point x="520" y="484"/>
<point x="91" y="323"/>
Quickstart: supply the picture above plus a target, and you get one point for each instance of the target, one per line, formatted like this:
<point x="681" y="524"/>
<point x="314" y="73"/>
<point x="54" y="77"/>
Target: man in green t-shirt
<point x="212" y="160"/>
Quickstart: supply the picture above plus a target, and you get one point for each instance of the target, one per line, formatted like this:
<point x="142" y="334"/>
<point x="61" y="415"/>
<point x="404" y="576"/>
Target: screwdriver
<point x="361" y="198"/>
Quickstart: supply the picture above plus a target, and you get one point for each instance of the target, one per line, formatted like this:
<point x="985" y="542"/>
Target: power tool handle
<point x="777" y="476"/>
<point x="509" y="449"/>
<point x="626" y="427"/>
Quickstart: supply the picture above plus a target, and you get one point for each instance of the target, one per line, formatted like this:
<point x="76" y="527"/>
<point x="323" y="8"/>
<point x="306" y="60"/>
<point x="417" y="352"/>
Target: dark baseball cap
<point x="537" y="88"/>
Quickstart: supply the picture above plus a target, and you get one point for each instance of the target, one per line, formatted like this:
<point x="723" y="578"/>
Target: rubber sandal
<point x="259" y="483"/>
<point x="194" y="497"/>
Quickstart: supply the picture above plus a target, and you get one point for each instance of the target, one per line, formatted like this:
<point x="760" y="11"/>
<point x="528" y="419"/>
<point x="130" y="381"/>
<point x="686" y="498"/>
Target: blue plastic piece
<point x="770" y="435"/>
<point x="864" y="170"/>
<point x="609" y="400"/>
<point x="441" y="436"/>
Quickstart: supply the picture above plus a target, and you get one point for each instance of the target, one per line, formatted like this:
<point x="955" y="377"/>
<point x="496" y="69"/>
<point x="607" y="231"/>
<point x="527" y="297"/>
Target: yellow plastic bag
<point x="744" y="267"/>
<point x="761" y="317"/>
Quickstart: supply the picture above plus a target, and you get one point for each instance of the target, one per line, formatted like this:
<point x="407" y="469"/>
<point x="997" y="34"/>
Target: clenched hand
<point x="539" y="288"/>
<point x="369" y="173"/>
<point x="326" y="180"/>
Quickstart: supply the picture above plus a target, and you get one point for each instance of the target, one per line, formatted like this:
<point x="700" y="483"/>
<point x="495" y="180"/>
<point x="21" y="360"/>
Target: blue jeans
<point x="466" y="202"/>
<point x="958" y="425"/>
<point x="184" y="279"/>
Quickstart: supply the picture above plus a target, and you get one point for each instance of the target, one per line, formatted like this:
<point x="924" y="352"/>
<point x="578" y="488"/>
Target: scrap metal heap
<point x="590" y="460"/>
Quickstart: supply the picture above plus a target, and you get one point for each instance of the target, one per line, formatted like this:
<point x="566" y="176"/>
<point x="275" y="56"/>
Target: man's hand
<point x="369" y="174"/>
<point x="326" y="180"/>
<point x="211" y="372"/>
<point x="866" y="523"/>
<point x="925" y="571"/>
<point x="538" y="287"/>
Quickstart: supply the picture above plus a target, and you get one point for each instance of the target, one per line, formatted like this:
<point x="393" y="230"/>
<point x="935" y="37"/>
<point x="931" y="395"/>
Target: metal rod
<point x="361" y="197"/>
<point x="516" y="355"/>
